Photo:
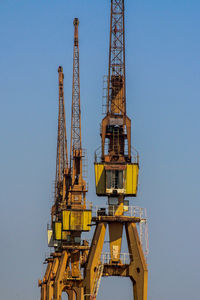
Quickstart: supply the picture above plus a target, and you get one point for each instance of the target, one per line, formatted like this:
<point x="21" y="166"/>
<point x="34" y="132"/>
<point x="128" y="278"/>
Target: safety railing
<point x="131" y="211"/>
<point x="134" y="153"/>
<point x="85" y="166"/>
<point x="105" y="95"/>
<point x="124" y="258"/>
<point x="110" y="210"/>
<point x="144" y="238"/>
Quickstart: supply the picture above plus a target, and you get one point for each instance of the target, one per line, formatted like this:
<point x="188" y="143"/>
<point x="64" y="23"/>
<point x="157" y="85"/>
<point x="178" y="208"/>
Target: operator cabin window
<point x="114" y="179"/>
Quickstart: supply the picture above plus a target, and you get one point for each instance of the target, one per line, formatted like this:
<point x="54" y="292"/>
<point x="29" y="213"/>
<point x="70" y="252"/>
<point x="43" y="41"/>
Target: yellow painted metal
<point x="87" y="218"/>
<point x="132" y="171"/>
<point x="76" y="220"/>
<point x="120" y="209"/>
<point x="65" y="235"/>
<point x="50" y="280"/>
<point x="75" y="261"/>
<point x="130" y="182"/>
<point x="115" y="234"/>
<point x="71" y="295"/>
<point x="43" y="283"/>
<point x="58" y="230"/>
<point x="138" y="271"/>
<point x="58" y="283"/>
<point x="79" y="293"/>
<point x="66" y="219"/>
<point x="94" y="259"/>
<point x="100" y="177"/>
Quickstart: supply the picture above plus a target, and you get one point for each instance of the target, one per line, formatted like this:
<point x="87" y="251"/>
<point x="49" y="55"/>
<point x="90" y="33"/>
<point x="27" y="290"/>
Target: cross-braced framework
<point x="62" y="168"/>
<point x="78" y="186"/>
<point x="116" y="72"/>
<point x="62" y="154"/>
<point x="76" y="111"/>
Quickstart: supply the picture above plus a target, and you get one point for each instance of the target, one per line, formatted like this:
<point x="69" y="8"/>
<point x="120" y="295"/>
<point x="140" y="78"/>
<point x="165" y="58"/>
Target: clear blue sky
<point x="163" y="93"/>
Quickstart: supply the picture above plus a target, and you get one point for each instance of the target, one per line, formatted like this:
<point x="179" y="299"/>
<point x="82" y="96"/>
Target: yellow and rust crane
<point x="116" y="174"/>
<point x="63" y="172"/>
<point x="69" y="215"/>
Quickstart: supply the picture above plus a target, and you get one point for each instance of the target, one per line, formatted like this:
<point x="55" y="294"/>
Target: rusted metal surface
<point x="76" y="112"/>
<point x="116" y="126"/>
<point x="120" y="219"/>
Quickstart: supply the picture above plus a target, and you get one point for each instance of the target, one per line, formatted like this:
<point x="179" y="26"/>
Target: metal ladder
<point x="97" y="281"/>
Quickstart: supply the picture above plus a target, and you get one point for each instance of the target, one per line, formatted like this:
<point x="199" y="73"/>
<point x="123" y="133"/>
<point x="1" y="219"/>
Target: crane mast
<point x="116" y="101"/>
<point x="62" y="179"/>
<point x="78" y="187"/>
<point x="76" y="110"/>
<point x="62" y="154"/>
<point x="116" y="126"/>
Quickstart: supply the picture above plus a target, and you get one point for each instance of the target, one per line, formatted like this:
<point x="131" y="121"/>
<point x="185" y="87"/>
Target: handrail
<point x="109" y="210"/>
<point x="134" y="155"/>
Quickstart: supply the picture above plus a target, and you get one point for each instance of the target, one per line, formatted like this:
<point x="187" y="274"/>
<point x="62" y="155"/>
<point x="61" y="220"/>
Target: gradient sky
<point x="163" y="92"/>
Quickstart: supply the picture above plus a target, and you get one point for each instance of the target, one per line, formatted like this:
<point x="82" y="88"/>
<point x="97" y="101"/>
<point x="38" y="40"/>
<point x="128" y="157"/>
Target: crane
<point x="63" y="173"/>
<point x="78" y="187"/>
<point x="116" y="175"/>
<point x="69" y="215"/>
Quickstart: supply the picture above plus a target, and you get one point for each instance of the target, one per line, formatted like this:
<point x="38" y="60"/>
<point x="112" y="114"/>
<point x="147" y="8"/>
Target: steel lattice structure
<point x="116" y="71"/>
<point x="62" y="154"/>
<point x="76" y="111"/>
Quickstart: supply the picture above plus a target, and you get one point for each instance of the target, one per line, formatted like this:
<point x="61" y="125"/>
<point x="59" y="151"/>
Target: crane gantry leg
<point x="50" y="282"/>
<point x="56" y="280"/>
<point x="45" y="281"/>
<point x="58" y="284"/>
<point x="79" y="293"/>
<point x="138" y="267"/>
<point x="94" y="259"/>
<point x="71" y="295"/>
<point x="136" y="270"/>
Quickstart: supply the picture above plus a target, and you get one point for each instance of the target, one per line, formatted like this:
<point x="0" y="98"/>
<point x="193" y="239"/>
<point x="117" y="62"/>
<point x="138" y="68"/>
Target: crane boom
<point x="116" y="101"/>
<point x="62" y="167"/>
<point x="62" y="153"/>
<point x="78" y="187"/>
<point x="116" y="126"/>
